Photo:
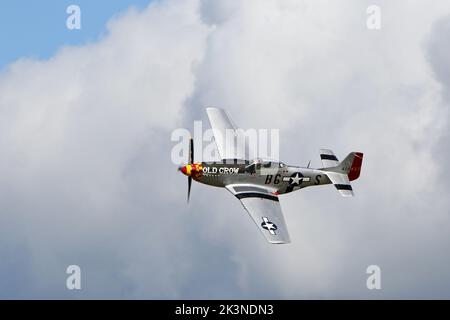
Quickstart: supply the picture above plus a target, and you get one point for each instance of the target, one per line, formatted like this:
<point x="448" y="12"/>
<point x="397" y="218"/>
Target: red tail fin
<point x="355" y="170"/>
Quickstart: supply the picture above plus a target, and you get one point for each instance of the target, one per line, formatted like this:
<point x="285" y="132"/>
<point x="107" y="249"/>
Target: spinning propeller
<point x="187" y="168"/>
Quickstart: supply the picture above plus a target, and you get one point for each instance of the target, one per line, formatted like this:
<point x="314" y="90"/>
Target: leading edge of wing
<point x="221" y="123"/>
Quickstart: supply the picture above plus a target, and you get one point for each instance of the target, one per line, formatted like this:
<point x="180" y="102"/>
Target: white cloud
<point x="317" y="73"/>
<point x="85" y="141"/>
<point x="85" y="167"/>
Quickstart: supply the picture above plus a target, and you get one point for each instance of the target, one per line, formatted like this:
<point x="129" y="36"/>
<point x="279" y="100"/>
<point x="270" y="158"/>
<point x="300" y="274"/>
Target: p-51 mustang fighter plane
<point x="259" y="182"/>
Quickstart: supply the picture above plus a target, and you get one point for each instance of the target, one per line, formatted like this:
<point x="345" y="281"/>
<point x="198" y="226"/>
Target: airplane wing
<point x="230" y="141"/>
<point x="265" y="210"/>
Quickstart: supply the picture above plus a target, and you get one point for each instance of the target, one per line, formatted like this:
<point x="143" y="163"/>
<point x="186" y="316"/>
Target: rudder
<point x="350" y="166"/>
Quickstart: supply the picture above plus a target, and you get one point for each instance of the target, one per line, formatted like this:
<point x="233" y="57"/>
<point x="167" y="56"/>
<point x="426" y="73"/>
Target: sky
<point x="37" y="29"/>
<point x="86" y="176"/>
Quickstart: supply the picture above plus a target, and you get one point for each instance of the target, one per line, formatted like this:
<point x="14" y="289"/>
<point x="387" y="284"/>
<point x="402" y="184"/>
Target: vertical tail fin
<point x="348" y="170"/>
<point x="351" y="165"/>
<point x="355" y="169"/>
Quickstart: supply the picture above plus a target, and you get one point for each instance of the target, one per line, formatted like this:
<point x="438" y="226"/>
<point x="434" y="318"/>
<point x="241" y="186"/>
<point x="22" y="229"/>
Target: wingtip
<point x="280" y="242"/>
<point x="213" y="108"/>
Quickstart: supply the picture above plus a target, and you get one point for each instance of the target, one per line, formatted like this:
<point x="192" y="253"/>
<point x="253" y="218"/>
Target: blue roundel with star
<point x="269" y="225"/>
<point x="296" y="179"/>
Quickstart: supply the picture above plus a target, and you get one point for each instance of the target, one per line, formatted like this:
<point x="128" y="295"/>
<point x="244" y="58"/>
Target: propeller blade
<point x="191" y="161"/>
<point x="189" y="188"/>
<point x="191" y="151"/>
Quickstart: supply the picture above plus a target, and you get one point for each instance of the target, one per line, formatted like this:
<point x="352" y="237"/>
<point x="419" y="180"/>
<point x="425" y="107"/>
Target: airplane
<point x="258" y="183"/>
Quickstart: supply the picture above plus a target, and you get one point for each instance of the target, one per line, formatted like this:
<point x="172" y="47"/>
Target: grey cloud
<point x="439" y="61"/>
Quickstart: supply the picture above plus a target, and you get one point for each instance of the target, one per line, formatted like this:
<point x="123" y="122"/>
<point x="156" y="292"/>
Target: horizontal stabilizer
<point x="342" y="183"/>
<point x="328" y="158"/>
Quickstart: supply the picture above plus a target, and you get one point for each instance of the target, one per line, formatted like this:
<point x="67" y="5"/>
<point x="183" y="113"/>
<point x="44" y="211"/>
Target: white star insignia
<point x="296" y="179"/>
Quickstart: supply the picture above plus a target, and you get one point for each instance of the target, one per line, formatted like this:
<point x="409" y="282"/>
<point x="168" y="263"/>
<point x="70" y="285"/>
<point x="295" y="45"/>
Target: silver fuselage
<point x="276" y="176"/>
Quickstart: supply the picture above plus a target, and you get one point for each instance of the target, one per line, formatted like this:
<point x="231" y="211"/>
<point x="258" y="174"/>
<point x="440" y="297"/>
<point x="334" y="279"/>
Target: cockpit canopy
<point x="267" y="163"/>
<point x="260" y="163"/>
